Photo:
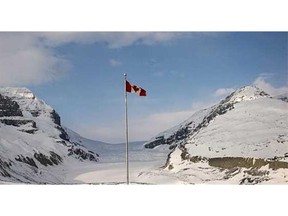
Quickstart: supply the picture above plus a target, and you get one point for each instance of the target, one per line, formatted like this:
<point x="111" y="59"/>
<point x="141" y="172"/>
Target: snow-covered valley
<point x="111" y="167"/>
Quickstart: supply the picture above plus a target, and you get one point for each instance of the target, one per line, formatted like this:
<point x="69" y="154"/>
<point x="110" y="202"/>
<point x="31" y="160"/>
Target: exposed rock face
<point x="53" y="159"/>
<point x="83" y="155"/>
<point x="26" y="160"/>
<point x="3" y="168"/>
<point x="56" y="118"/>
<point x="18" y="123"/>
<point x="9" y="107"/>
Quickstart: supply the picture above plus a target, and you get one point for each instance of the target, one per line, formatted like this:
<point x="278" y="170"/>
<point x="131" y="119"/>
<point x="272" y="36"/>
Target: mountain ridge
<point x="245" y="134"/>
<point x="245" y="93"/>
<point x="34" y="147"/>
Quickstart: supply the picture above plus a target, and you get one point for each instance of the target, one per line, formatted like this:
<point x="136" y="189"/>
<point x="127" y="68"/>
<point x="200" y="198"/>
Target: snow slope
<point x="246" y="135"/>
<point x="34" y="148"/>
<point x="256" y="128"/>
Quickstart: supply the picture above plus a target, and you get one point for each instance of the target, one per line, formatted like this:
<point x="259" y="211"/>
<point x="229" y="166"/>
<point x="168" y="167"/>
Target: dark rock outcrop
<point x="18" y="123"/>
<point x="53" y="159"/>
<point x="3" y="168"/>
<point x="26" y="160"/>
<point x="56" y="118"/>
<point x="81" y="154"/>
<point x="8" y="107"/>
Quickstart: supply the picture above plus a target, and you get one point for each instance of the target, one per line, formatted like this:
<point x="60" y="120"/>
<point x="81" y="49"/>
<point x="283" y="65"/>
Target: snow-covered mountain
<point x="34" y="147"/>
<point x="243" y="139"/>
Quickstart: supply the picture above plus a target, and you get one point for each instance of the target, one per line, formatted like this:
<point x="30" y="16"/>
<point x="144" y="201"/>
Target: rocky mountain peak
<point x="30" y="105"/>
<point x="17" y="92"/>
<point x="243" y="138"/>
<point x="246" y="93"/>
<point x="202" y="118"/>
<point x="32" y="139"/>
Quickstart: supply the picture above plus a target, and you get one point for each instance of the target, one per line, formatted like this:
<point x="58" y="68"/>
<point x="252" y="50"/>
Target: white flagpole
<point x="126" y="129"/>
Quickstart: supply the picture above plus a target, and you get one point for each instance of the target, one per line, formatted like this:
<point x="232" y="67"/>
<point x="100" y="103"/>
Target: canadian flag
<point x="135" y="89"/>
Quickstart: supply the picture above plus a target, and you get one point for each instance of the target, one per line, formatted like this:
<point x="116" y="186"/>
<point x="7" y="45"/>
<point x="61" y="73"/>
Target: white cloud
<point x="31" y="58"/>
<point x="261" y="82"/>
<point x="267" y="87"/>
<point x="142" y="128"/>
<point x="112" y="133"/>
<point x="112" y="39"/>
<point x="139" y="129"/>
<point x="223" y="92"/>
<point x="115" y="63"/>
<point x="23" y="60"/>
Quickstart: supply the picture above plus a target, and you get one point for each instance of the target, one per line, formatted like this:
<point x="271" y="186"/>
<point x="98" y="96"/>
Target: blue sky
<point x="81" y="74"/>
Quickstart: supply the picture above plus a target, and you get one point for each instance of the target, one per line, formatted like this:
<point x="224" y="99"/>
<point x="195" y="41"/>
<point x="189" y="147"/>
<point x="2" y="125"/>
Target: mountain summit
<point x="244" y="133"/>
<point x="34" y="147"/>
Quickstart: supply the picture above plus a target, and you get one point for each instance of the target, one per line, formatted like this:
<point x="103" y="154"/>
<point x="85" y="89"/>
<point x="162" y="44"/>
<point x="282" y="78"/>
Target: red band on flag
<point x="142" y="92"/>
<point x="128" y="86"/>
<point x="135" y="89"/>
